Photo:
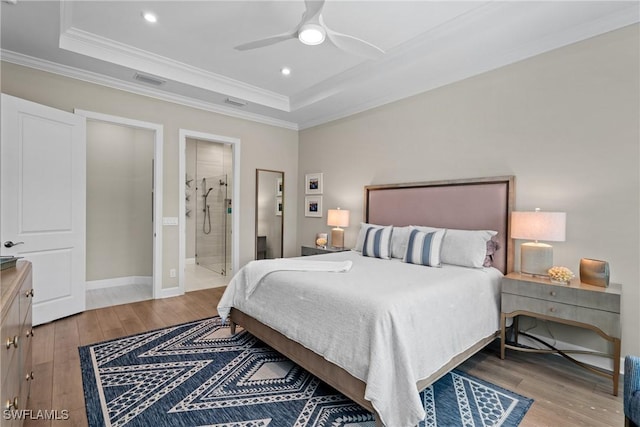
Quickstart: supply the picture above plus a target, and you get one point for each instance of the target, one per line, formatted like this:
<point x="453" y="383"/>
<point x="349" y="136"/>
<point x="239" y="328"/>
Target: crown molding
<point x="94" y="46"/>
<point x="102" y="80"/>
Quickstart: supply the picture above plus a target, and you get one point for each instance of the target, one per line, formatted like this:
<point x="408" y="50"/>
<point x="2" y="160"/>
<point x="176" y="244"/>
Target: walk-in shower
<point x="213" y="222"/>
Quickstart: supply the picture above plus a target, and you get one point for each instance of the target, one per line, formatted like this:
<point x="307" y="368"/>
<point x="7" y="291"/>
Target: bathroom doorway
<point x="208" y="213"/>
<point x="120" y="211"/>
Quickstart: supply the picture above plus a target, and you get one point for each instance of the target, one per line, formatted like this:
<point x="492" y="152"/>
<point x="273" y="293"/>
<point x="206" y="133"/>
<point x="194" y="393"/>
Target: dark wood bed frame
<point x="473" y="204"/>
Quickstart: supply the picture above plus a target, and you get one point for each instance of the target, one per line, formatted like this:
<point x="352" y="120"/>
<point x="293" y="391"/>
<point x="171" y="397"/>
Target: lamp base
<point x="337" y="238"/>
<point x="536" y="258"/>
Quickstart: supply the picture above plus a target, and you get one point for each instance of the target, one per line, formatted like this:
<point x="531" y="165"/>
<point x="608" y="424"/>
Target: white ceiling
<point x="427" y="44"/>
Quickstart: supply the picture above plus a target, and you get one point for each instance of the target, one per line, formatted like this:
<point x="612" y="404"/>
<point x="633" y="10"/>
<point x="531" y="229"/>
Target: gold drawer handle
<point x="29" y="333"/>
<point x="12" y="404"/>
<point x="12" y="342"/>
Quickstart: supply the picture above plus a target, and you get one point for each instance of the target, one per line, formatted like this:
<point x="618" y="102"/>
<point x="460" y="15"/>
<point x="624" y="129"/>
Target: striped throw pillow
<point x="424" y="248"/>
<point x="377" y="242"/>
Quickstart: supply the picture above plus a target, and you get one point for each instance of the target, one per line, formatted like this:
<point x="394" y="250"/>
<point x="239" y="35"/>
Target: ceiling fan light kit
<point x="311" y="34"/>
<point x="312" y="30"/>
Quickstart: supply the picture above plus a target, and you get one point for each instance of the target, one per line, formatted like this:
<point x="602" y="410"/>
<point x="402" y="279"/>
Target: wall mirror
<point x="269" y="213"/>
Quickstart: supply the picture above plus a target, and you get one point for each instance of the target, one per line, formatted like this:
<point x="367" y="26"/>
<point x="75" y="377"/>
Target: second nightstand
<point x="312" y="250"/>
<point x="577" y="304"/>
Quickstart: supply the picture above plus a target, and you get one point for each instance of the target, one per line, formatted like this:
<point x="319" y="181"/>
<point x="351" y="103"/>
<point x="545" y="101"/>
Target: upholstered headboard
<point x="467" y="204"/>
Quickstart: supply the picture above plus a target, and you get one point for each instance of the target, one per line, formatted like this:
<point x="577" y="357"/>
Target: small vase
<point x="560" y="282"/>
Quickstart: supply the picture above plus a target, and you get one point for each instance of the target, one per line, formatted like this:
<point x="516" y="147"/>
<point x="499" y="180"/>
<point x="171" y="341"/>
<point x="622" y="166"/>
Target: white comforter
<point x="385" y="322"/>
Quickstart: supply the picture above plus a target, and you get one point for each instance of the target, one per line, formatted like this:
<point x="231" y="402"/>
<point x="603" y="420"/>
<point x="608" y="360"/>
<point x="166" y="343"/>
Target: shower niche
<point x="209" y="204"/>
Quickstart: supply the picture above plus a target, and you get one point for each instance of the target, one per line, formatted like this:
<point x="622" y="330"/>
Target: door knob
<point x="10" y="244"/>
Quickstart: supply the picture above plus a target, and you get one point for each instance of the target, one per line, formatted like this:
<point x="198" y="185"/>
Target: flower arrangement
<point x="560" y="274"/>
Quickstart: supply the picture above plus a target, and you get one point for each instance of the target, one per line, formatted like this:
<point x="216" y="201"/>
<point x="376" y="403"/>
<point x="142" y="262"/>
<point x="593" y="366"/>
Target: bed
<point x="387" y="329"/>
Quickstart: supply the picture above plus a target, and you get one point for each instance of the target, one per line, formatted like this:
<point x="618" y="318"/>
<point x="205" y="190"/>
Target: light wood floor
<point x="564" y="394"/>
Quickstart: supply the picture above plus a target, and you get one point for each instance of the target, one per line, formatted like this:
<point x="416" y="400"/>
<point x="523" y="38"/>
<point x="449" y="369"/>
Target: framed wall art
<point x="313" y="206"/>
<point x="313" y="183"/>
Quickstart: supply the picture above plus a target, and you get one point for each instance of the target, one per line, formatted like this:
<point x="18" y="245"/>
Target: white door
<point x="43" y="175"/>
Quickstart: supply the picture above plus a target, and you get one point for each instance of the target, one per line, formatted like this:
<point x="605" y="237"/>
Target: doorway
<point x="208" y="187"/>
<point x="124" y="210"/>
<point x="208" y="209"/>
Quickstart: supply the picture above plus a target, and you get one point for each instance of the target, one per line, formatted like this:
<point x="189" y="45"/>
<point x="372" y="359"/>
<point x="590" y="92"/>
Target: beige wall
<point x="564" y="123"/>
<point x="119" y="181"/>
<point x="262" y="146"/>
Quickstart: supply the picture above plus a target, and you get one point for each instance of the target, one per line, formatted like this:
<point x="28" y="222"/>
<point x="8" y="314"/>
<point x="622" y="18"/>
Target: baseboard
<point x="119" y="281"/>
<point x="171" y="292"/>
<point x="599" y="362"/>
<point x="189" y="260"/>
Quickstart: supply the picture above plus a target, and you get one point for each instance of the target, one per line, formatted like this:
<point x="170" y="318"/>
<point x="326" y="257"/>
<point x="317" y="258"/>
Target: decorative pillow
<point x="363" y="230"/>
<point x="492" y="247"/>
<point x="424" y="248"/>
<point x="467" y="248"/>
<point x="377" y="242"/>
<point x="399" y="239"/>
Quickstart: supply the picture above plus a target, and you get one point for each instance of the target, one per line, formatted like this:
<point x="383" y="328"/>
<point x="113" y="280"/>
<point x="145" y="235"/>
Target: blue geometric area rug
<point x="196" y="374"/>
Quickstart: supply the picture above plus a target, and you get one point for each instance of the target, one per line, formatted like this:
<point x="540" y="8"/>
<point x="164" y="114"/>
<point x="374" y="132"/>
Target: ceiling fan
<point x="312" y="30"/>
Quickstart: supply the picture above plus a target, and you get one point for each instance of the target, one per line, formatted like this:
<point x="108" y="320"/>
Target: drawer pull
<point x="29" y="376"/>
<point x="12" y="404"/>
<point x="28" y="293"/>
<point x="12" y="342"/>
<point x="29" y="333"/>
<point x="552" y="293"/>
<point x="552" y="309"/>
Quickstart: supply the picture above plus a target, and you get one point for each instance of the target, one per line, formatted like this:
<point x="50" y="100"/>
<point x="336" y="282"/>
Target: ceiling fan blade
<point x="266" y="41"/>
<point x="354" y="45"/>
<point x="314" y="7"/>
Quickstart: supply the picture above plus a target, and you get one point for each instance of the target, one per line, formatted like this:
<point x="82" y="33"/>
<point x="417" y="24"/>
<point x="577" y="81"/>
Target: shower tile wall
<point x="213" y="162"/>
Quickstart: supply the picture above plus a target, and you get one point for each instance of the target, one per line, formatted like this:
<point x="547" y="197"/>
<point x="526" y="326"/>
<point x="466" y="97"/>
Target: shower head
<point x="208" y="191"/>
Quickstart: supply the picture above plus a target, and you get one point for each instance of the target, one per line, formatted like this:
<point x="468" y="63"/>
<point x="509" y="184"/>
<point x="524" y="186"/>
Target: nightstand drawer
<point x="563" y="294"/>
<point x="608" y="322"/>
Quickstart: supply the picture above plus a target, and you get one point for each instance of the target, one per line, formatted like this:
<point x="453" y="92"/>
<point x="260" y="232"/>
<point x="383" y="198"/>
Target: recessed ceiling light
<point x="285" y="71"/>
<point x="150" y="17"/>
<point x="311" y="34"/>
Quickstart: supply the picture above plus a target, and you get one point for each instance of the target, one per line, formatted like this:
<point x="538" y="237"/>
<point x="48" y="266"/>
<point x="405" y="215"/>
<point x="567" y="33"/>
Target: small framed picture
<point x="313" y="206"/>
<point x="279" y="187"/>
<point x="278" y="206"/>
<point x="313" y="183"/>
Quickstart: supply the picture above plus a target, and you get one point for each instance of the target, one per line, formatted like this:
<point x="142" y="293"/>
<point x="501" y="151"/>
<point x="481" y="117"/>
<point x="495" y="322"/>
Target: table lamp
<point x="337" y="218"/>
<point x="537" y="258"/>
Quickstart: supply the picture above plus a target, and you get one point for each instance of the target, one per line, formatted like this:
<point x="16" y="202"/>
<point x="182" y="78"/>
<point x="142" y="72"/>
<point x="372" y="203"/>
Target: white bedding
<point x="385" y="322"/>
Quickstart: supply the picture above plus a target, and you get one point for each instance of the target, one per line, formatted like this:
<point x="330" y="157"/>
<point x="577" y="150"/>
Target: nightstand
<point x="576" y="304"/>
<point x="312" y="250"/>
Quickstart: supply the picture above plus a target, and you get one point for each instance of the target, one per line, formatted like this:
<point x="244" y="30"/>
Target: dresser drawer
<point x="608" y="322"/>
<point x="26" y="296"/>
<point x="563" y="294"/>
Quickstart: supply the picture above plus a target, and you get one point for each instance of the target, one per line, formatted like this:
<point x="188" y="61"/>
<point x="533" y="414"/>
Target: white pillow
<point x="423" y="248"/>
<point x="377" y="242"/>
<point x="399" y="240"/>
<point x="467" y="248"/>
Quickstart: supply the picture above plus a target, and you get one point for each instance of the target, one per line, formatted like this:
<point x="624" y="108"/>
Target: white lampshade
<point x="537" y="258"/>
<point x="547" y="226"/>
<point x="337" y="218"/>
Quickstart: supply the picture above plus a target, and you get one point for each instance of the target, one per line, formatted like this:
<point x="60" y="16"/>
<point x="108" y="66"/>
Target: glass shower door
<point x="213" y="221"/>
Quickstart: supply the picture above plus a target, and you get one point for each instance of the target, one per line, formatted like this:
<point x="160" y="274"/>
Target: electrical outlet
<point x="172" y="272"/>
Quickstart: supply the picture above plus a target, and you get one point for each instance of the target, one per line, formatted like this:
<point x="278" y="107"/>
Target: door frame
<point x="157" y="184"/>
<point x="235" y="198"/>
